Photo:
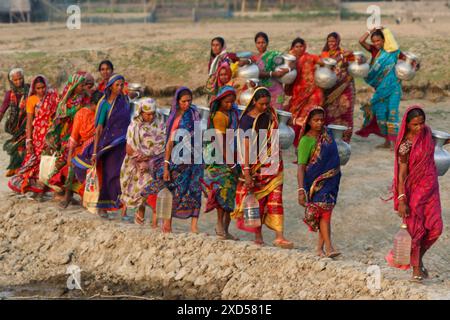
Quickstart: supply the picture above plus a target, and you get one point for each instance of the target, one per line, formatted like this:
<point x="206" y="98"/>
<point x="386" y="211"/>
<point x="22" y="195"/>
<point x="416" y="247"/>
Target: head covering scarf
<point x="214" y="106"/>
<point x="174" y="108"/>
<point x="17" y="90"/>
<point x="338" y="43"/>
<point x="107" y="94"/>
<point x="72" y="83"/>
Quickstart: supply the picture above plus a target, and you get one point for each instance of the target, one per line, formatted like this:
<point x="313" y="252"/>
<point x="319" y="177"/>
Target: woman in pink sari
<point x="416" y="188"/>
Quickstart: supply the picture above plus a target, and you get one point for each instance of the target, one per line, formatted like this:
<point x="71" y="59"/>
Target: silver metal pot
<point x="204" y="113"/>
<point x="441" y="156"/>
<point x="250" y="71"/>
<point x="359" y="67"/>
<point x="325" y="77"/>
<point x="404" y="68"/>
<point x="286" y="133"/>
<point x="344" y="149"/>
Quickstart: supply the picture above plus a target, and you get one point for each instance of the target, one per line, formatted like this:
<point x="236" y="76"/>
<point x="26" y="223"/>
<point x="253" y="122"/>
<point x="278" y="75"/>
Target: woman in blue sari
<point x="108" y="149"/>
<point x="220" y="177"/>
<point x="180" y="172"/>
<point x="318" y="178"/>
<point x="381" y="115"/>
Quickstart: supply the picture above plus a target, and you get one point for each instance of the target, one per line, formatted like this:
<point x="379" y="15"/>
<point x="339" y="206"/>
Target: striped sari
<point x="268" y="188"/>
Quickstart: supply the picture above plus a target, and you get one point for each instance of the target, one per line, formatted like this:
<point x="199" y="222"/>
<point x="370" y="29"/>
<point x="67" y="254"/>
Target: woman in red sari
<point x="305" y="94"/>
<point x="416" y="188"/>
<point x="339" y="100"/>
<point x="40" y="106"/>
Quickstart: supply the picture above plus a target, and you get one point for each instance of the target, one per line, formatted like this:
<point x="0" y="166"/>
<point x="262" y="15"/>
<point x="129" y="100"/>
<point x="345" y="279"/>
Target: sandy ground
<point x="363" y="224"/>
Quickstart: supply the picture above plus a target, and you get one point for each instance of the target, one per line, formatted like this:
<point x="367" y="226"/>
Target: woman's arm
<point x="5" y="105"/>
<point x="362" y="40"/>
<point x="247" y="171"/>
<point x="167" y="156"/>
<point x="403" y="209"/>
<point x="98" y="134"/>
<point x="129" y="150"/>
<point x="300" y="180"/>
<point x="29" y="132"/>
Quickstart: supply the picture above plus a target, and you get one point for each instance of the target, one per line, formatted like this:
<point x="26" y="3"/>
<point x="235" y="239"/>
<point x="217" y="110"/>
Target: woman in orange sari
<point x="305" y="94"/>
<point x="82" y="135"/>
<point x="263" y="178"/>
<point x="340" y="99"/>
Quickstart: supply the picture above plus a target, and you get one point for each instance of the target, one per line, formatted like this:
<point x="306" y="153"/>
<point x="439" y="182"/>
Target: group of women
<point x="92" y="128"/>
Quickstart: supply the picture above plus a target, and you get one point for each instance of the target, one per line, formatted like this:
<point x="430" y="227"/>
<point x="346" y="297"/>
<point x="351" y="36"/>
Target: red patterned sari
<point x="27" y="177"/>
<point x="305" y="94"/>
<point x="340" y="100"/>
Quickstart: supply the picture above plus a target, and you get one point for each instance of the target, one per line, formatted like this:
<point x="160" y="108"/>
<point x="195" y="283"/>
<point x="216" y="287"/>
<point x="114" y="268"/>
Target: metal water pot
<point x="247" y="94"/>
<point x="441" y="156"/>
<point x="287" y="61"/>
<point x="325" y="77"/>
<point x="286" y="133"/>
<point x="344" y="149"/>
<point x="204" y="114"/>
<point x="359" y="67"/>
<point x="250" y="71"/>
<point x="404" y="68"/>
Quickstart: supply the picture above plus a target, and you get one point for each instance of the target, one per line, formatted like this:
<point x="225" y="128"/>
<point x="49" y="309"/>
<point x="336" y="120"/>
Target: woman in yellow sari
<point x="263" y="178"/>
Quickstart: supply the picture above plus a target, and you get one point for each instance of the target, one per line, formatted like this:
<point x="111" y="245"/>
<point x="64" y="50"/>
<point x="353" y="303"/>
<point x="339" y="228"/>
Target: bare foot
<point x="385" y="145"/>
<point x="320" y="252"/>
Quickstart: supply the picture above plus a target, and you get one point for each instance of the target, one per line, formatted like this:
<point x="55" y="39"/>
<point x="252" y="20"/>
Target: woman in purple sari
<point x="107" y="152"/>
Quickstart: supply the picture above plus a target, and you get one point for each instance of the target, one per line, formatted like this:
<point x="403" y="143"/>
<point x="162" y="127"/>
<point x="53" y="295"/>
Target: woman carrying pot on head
<point x="381" y="114"/>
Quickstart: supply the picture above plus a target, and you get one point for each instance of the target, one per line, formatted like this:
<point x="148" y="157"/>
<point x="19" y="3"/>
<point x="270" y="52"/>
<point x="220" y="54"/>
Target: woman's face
<point x="105" y="71"/>
<point x="185" y="102"/>
<point x="117" y="87"/>
<point x="299" y="49"/>
<point x="39" y="88"/>
<point x="227" y="103"/>
<point x="416" y="125"/>
<point x="216" y="47"/>
<point x="79" y="88"/>
<point x="148" y="116"/>
<point x="332" y="43"/>
<point x="17" y="80"/>
<point x="88" y="87"/>
<point x="223" y="76"/>
<point x="378" y="42"/>
<point x="317" y="122"/>
<point x="262" y="104"/>
<point x="261" y="45"/>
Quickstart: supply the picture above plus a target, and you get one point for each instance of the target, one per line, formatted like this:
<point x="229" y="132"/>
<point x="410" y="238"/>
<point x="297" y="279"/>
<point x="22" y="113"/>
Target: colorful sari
<point x="322" y="177"/>
<point x="57" y="138"/>
<point x="184" y="178"/>
<point x="305" y="94"/>
<point x="27" y="177"/>
<point x="15" y="125"/>
<point x="110" y="149"/>
<point x="381" y="114"/>
<point x="340" y="100"/>
<point x="147" y="141"/>
<point x="266" y="63"/>
<point x="422" y="192"/>
<point x="221" y="179"/>
<point x="268" y="188"/>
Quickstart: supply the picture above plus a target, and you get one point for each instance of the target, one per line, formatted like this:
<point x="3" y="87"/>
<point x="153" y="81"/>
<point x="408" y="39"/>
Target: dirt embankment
<point x="38" y="243"/>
